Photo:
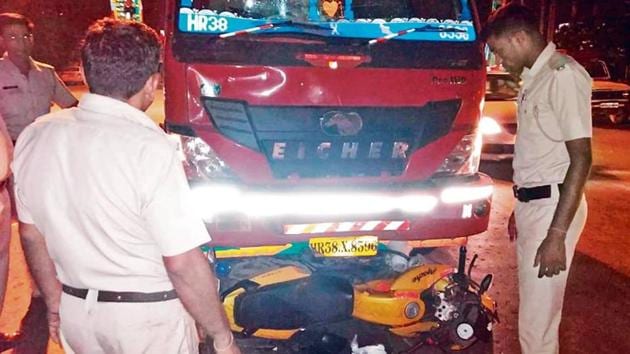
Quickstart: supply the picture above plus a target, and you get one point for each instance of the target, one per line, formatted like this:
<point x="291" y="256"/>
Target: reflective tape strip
<point x="370" y="226"/>
<point x="293" y="229"/>
<point x="394" y="225"/>
<point x="357" y="226"/>
<point x="308" y="229"/>
<point x="381" y="226"/>
<point x="321" y="228"/>
<point x="345" y="226"/>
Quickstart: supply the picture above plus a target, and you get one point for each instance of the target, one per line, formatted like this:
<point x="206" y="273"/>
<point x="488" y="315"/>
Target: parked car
<point x="498" y="122"/>
<point x="71" y="75"/>
<point x="610" y="101"/>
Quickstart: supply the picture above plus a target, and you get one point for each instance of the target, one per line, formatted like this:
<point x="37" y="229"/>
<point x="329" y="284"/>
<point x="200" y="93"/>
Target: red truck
<point x="335" y="124"/>
<point x="307" y="123"/>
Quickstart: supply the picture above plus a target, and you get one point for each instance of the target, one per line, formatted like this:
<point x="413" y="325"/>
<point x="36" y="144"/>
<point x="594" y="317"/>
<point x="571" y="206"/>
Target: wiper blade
<point x="427" y="28"/>
<point x="266" y="26"/>
<point x="270" y="25"/>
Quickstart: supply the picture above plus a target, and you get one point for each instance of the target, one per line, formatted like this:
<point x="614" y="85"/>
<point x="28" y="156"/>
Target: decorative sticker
<point x="419" y="29"/>
<point x="331" y="9"/>
<point x="127" y="9"/>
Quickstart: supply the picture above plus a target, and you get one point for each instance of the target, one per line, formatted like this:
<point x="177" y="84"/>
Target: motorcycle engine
<point x="460" y="314"/>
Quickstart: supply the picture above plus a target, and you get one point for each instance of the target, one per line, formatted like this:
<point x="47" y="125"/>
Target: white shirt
<point x="106" y="188"/>
<point x="24" y="98"/>
<point x="554" y="106"/>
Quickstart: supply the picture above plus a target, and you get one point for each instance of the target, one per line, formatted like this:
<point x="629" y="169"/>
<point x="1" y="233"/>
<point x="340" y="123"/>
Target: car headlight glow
<point x="464" y="159"/>
<point x="200" y="161"/>
<point x="489" y="126"/>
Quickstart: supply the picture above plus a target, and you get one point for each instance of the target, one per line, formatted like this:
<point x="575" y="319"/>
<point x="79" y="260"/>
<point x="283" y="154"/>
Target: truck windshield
<point x="406" y="20"/>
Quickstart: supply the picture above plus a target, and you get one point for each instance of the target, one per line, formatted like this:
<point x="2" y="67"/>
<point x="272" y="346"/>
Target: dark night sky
<point x="60" y="24"/>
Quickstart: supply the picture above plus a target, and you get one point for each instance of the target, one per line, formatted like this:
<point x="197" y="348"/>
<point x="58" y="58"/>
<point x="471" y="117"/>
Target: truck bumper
<point x="441" y="209"/>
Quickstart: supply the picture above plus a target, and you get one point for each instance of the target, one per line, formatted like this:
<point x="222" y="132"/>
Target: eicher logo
<point x="340" y="125"/>
<point x="347" y="150"/>
<point x="337" y="123"/>
<point x="421" y="275"/>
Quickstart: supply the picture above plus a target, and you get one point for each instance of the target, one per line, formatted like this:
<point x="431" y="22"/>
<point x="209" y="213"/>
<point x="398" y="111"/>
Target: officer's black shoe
<point x="9" y="341"/>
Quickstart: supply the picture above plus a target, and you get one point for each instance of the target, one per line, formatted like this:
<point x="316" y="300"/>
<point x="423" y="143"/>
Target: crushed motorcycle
<point x="307" y="308"/>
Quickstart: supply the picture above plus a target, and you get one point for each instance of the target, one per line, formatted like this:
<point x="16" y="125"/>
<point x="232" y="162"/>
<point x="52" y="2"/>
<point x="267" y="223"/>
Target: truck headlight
<point x="201" y="162"/>
<point x="464" y="159"/>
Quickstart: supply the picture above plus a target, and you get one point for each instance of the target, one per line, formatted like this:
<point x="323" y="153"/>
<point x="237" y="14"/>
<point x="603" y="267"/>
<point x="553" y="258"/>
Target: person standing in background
<point x="28" y="89"/>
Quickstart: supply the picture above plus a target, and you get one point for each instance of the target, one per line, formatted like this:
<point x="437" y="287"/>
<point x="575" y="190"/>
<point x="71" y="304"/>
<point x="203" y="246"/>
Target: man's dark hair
<point x="509" y="19"/>
<point x="119" y="57"/>
<point x="11" y="18"/>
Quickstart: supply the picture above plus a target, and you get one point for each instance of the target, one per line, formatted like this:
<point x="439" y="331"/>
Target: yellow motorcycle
<point x="430" y="304"/>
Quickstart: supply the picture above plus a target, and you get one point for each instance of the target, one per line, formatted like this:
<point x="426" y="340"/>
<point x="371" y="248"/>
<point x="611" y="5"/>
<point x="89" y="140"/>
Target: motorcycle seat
<point x="295" y="304"/>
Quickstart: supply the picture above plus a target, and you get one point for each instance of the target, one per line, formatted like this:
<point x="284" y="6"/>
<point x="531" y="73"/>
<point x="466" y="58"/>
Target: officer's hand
<point x="233" y="349"/>
<point x="52" y="313"/>
<point x="512" y="232"/>
<point x="226" y="346"/>
<point x="551" y="255"/>
<point x="53" y="324"/>
<point x="203" y="336"/>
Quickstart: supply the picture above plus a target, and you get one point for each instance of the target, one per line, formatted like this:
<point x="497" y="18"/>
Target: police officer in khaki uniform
<point x="552" y="161"/>
<point x="109" y="233"/>
<point x="27" y="87"/>
<point x="27" y="90"/>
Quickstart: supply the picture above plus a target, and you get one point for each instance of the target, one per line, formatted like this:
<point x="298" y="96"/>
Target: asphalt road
<point x="598" y="295"/>
<point x="598" y="291"/>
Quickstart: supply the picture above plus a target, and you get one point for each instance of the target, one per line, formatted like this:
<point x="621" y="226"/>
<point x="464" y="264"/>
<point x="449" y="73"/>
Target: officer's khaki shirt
<point x="554" y="106"/>
<point x="24" y="98"/>
<point x="106" y="188"/>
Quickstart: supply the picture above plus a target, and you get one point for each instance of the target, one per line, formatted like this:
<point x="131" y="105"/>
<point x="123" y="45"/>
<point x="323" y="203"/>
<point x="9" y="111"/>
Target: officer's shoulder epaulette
<point x="558" y="61"/>
<point x="43" y="65"/>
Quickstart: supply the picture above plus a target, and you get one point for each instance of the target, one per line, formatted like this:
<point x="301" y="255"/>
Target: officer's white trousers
<point x="92" y="327"/>
<point x="541" y="299"/>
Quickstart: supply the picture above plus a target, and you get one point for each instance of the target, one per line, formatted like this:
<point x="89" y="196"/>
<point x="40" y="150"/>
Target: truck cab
<point x="329" y="121"/>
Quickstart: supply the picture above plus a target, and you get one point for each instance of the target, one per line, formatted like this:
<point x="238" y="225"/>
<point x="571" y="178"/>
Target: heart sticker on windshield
<point x="330" y="8"/>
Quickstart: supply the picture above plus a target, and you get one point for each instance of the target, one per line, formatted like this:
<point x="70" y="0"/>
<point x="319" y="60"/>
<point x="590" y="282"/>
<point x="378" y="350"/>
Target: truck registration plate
<point x="356" y="246"/>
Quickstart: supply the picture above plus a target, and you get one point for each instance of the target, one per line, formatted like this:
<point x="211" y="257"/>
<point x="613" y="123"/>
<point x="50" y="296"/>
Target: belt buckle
<point x="520" y="194"/>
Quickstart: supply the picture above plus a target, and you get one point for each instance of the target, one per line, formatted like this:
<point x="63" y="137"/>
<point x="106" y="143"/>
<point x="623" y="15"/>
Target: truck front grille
<point x="319" y="142"/>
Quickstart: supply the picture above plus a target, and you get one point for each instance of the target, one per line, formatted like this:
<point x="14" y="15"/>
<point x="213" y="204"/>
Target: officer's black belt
<point x="121" y="296"/>
<point x="524" y="194"/>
